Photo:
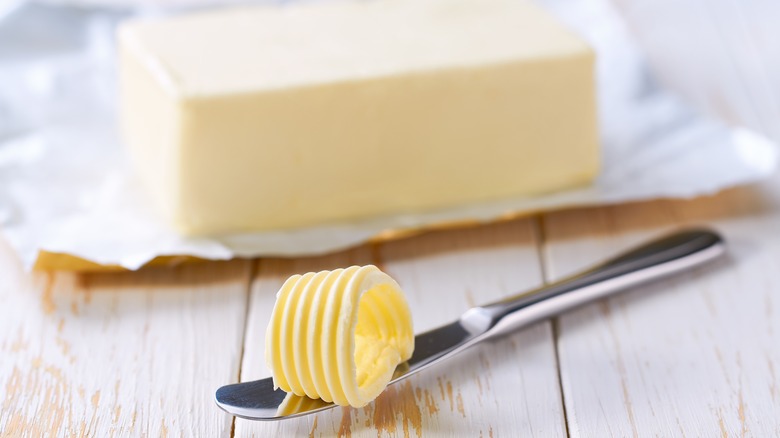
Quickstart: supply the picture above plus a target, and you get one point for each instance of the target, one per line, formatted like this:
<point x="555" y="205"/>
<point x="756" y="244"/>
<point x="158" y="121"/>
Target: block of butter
<point x="281" y="117"/>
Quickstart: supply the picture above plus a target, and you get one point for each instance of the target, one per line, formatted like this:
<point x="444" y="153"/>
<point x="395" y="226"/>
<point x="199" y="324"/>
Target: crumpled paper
<point x="65" y="185"/>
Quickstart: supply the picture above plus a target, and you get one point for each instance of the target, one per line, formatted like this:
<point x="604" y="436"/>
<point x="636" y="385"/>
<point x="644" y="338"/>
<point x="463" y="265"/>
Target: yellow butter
<point x="259" y="118"/>
<point x="339" y="335"/>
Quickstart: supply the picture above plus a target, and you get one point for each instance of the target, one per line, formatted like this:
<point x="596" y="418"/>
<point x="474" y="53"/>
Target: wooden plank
<point x="130" y="354"/>
<point x="507" y="388"/>
<point x="695" y="355"/>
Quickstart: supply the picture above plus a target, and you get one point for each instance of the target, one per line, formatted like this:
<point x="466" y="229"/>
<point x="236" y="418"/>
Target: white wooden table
<point x="140" y="354"/>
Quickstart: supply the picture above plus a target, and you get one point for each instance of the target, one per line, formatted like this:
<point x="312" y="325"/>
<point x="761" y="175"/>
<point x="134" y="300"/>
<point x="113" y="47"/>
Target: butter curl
<point x="339" y="335"/>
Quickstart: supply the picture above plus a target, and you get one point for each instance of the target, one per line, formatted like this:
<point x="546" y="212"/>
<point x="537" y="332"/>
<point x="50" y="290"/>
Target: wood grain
<point x="133" y="354"/>
<point x="695" y="355"/>
<point x="505" y="388"/>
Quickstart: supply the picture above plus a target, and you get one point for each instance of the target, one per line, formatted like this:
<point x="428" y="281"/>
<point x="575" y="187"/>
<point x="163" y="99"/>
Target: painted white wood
<point x="506" y="388"/>
<point x="128" y="354"/>
<point x="696" y="355"/>
<point x="141" y="353"/>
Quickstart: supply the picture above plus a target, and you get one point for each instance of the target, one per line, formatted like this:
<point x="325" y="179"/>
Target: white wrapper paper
<point x="65" y="186"/>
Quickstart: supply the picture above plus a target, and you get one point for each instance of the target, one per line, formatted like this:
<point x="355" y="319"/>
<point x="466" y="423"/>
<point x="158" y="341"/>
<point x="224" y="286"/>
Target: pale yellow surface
<point x="339" y="335"/>
<point x="279" y="117"/>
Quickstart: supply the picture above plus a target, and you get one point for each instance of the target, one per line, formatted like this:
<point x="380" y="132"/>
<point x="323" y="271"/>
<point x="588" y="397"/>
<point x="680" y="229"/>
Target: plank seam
<point x="555" y="323"/>
<point x="538" y="227"/>
<point x="254" y="267"/>
<point x="539" y="231"/>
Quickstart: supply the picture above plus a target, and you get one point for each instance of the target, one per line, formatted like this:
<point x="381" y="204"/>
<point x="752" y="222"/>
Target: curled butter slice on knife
<point x="339" y="335"/>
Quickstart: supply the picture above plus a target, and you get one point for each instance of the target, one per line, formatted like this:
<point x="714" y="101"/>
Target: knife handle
<point x="659" y="258"/>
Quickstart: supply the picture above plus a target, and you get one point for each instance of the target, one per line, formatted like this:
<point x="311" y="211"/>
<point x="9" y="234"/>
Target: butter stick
<point x="280" y="117"/>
